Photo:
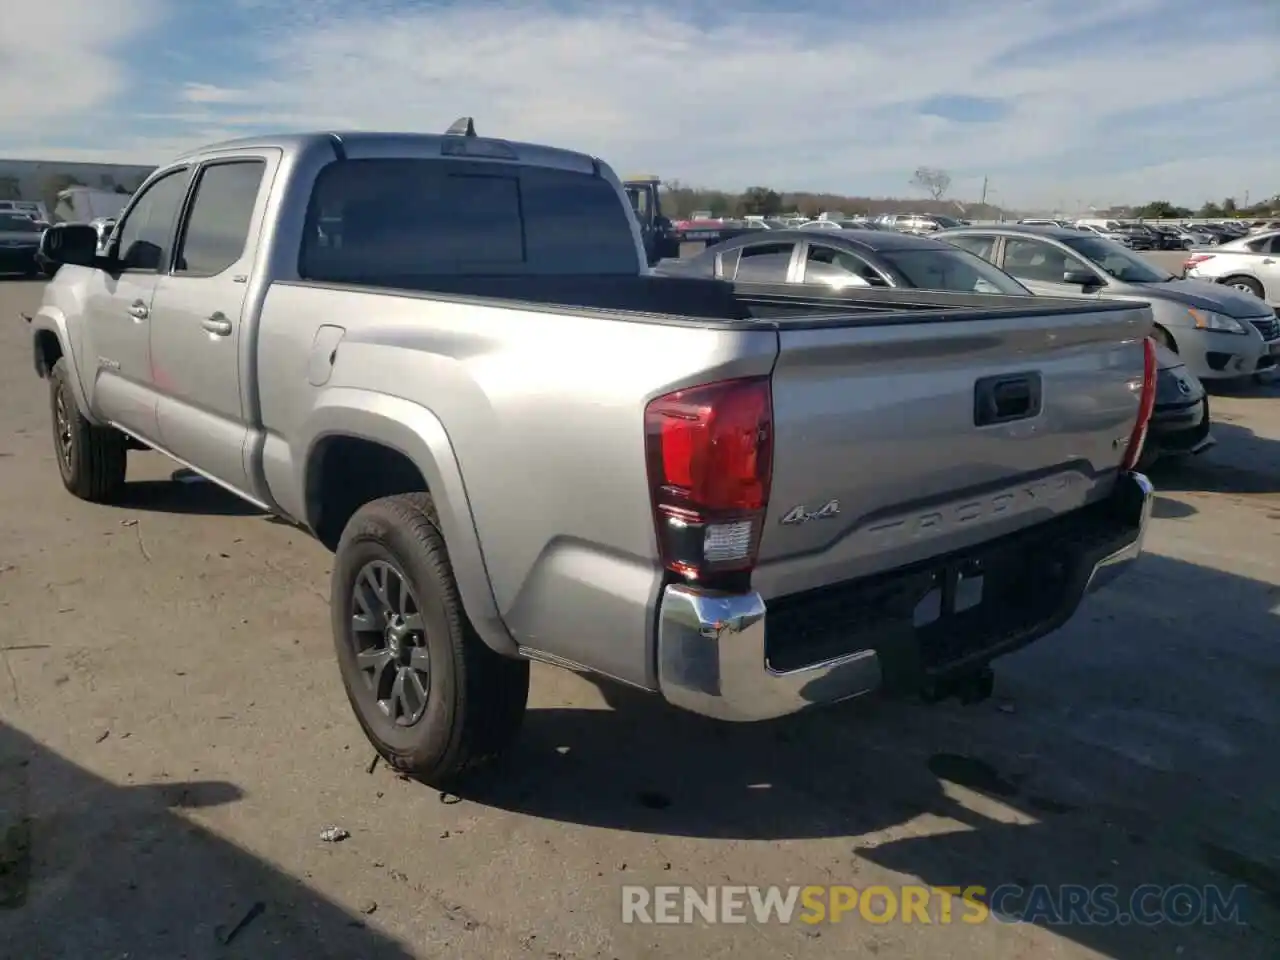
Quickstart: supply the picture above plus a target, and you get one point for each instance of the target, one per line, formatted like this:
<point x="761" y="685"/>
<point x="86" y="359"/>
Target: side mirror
<point x="1080" y="278"/>
<point x="74" y="243"/>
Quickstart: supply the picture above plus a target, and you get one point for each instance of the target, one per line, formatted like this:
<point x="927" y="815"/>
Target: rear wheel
<point x="431" y="696"/>
<point x="91" y="459"/>
<point x="1245" y="284"/>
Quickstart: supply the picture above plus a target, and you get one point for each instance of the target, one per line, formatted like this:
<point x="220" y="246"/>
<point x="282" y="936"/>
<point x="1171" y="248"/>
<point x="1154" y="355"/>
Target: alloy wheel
<point x="390" y="642"/>
<point x="62" y="427"/>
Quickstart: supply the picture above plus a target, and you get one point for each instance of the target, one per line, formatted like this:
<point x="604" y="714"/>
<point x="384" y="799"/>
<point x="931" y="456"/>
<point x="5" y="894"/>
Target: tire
<point x="474" y="699"/>
<point x="1247" y="284"/>
<point x="92" y="460"/>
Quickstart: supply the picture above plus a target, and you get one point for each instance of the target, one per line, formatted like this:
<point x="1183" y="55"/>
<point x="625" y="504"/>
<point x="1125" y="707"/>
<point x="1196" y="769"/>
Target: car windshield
<point x="954" y="269"/>
<point x="1115" y="261"/>
<point x="945" y="222"/>
<point x="14" y="223"/>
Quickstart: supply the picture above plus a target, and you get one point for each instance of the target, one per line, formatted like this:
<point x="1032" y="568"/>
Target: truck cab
<point x="655" y="228"/>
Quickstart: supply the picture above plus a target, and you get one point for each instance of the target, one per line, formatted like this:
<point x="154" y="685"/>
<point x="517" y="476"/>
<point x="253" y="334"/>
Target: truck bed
<point x="873" y="395"/>
<point x="735" y="305"/>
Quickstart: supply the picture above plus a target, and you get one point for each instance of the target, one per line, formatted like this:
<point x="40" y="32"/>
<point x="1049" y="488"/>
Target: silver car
<point x="1220" y="333"/>
<point x="1250" y="264"/>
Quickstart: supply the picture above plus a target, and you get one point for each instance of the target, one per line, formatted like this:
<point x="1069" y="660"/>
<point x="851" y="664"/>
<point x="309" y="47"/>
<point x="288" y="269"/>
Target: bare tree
<point x="932" y="181"/>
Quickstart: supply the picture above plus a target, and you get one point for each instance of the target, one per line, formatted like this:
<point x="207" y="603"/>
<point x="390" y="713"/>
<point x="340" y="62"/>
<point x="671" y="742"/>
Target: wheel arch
<point x="51" y="342"/>
<point x="367" y="445"/>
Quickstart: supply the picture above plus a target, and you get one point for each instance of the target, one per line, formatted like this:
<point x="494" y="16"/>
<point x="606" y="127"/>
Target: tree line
<point x="1164" y="210"/>
<point x="679" y="201"/>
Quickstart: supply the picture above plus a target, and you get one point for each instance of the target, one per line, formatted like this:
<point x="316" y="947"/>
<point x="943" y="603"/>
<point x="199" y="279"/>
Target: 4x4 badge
<point x="799" y="514"/>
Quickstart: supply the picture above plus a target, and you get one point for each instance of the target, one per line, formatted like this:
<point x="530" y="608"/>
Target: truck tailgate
<point x="901" y="440"/>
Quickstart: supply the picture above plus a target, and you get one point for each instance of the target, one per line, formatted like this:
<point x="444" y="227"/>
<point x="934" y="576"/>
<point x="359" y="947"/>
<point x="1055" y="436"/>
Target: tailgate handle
<point x="1006" y="398"/>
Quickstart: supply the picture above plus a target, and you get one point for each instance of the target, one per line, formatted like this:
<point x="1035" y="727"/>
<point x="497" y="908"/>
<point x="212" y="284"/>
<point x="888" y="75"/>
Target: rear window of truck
<point x="387" y="222"/>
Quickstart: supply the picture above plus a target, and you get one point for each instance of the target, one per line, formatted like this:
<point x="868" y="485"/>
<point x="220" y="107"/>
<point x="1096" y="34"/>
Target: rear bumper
<point x="1181" y="429"/>
<point x="716" y="656"/>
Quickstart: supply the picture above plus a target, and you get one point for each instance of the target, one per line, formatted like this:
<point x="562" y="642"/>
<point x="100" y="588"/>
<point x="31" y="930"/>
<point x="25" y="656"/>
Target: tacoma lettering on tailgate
<point x="940" y="520"/>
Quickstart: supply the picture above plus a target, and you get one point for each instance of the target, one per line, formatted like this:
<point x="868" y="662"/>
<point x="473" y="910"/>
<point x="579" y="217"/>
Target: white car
<point x="1251" y="264"/>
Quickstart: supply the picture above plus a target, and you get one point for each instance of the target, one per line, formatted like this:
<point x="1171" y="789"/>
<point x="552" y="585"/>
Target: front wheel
<point x="1244" y="285"/>
<point x="431" y="696"/>
<point x="92" y="460"/>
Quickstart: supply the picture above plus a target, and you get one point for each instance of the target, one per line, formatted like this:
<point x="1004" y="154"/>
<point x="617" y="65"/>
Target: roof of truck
<point x="357" y="140"/>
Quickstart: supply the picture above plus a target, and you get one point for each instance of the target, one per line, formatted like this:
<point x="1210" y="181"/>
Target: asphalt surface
<point x="174" y="739"/>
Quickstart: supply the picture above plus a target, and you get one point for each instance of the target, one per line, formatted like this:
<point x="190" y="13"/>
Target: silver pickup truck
<point x="444" y="357"/>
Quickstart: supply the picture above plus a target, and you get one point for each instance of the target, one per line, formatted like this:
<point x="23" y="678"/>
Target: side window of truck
<point x="765" y="262"/>
<point x="218" y="223"/>
<point x="146" y="233"/>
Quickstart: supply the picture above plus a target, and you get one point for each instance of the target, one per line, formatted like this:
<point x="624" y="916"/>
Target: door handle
<point x="1268" y="260"/>
<point x="218" y="324"/>
<point x="138" y="310"/>
<point x="1001" y="399"/>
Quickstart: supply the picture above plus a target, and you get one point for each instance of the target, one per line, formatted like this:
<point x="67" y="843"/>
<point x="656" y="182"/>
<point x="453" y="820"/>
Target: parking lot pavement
<point x="174" y="738"/>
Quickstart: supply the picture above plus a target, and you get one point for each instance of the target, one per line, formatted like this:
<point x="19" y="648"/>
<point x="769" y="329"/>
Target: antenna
<point x="462" y="127"/>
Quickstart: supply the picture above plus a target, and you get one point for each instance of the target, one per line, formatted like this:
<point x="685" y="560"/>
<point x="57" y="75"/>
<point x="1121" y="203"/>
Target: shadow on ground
<point x="89" y="869"/>
<point x="1242" y="463"/>
<point x="1128" y="749"/>
<point x="1264" y="386"/>
<point x="185" y="492"/>
<point x="1167" y="509"/>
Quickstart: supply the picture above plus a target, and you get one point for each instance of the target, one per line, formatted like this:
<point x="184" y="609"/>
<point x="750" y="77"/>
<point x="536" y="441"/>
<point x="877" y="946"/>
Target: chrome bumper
<point x="711" y="646"/>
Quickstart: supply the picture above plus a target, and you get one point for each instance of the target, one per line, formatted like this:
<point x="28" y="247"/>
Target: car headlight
<point x="1207" y="320"/>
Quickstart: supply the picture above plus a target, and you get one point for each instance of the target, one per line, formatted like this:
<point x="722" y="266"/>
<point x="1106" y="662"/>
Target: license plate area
<point x="977" y="602"/>
<point x="933" y="617"/>
<point x="954" y="589"/>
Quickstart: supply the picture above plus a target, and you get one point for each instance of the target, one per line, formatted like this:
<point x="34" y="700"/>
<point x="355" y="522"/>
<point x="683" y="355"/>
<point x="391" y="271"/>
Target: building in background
<point x="43" y="180"/>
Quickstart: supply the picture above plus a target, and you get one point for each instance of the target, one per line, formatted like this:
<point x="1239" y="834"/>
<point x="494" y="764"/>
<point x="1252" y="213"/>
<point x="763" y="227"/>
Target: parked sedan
<point x="846" y="258"/>
<point x="1192" y="237"/>
<point x="1180" y="422"/>
<point x="1220" y="333"/>
<point x="1114" y="236"/>
<point x="19" y="239"/>
<point x="1250" y="265"/>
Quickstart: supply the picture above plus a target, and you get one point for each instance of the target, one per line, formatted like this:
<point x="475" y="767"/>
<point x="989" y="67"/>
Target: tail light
<point x="1195" y="258"/>
<point x="709" y="451"/>
<point x="1146" y="404"/>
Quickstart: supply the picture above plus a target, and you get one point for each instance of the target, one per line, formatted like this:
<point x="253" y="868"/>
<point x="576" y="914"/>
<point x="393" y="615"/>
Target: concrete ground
<point x="174" y="739"/>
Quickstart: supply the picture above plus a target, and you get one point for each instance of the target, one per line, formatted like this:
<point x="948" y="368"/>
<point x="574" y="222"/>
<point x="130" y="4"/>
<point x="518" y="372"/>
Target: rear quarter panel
<point x="544" y="414"/>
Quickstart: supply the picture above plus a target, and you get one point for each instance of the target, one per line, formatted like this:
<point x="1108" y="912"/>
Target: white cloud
<point x="208" y="93"/>
<point x="61" y="57"/>
<point x="781" y="98"/>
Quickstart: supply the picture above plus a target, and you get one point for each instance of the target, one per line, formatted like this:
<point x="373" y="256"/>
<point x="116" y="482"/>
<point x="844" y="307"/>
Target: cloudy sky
<point x="1059" y="102"/>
